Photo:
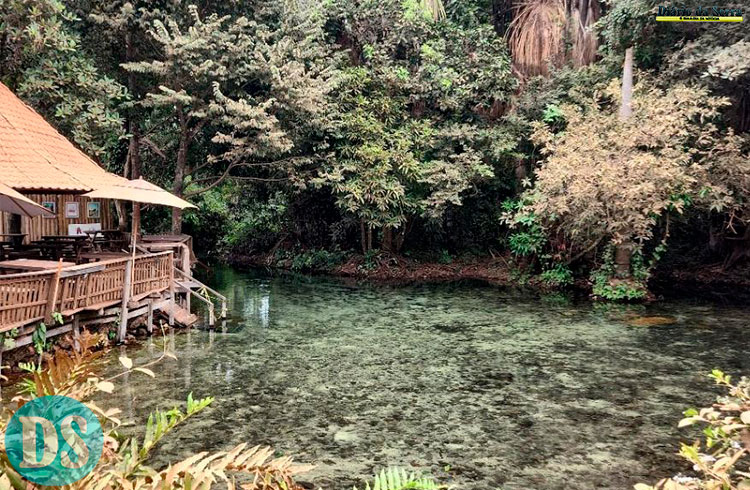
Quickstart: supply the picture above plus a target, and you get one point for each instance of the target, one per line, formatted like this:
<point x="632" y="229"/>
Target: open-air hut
<point x="36" y="160"/>
<point x="40" y="163"/>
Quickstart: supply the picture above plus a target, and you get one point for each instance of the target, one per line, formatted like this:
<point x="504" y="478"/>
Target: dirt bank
<point x="696" y="281"/>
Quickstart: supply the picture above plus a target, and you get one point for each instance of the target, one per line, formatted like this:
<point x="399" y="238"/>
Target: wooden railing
<point x="30" y="297"/>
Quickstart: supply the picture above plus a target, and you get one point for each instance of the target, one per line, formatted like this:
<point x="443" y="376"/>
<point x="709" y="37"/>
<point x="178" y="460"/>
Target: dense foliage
<point x="423" y="128"/>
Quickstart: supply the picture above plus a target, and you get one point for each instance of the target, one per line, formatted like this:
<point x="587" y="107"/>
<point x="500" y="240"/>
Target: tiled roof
<point x="35" y="157"/>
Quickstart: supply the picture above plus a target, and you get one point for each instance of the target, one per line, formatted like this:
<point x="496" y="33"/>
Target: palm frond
<point x="435" y="8"/>
<point x="537" y="36"/>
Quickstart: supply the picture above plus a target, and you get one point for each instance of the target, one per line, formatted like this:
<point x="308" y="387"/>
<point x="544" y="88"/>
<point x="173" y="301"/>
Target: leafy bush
<point x="257" y="223"/>
<point x="606" y="286"/>
<point x="371" y="260"/>
<point x="530" y="239"/>
<point x="558" y="276"/>
<point x="722" y="459"/>
<point x="445" y="257"/>
<point x="317" y="260"/>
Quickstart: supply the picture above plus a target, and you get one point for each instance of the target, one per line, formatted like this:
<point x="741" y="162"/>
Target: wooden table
<point x="16" y="239"/>
<point x="59" y="246"/>
<point x="32" y="265"/>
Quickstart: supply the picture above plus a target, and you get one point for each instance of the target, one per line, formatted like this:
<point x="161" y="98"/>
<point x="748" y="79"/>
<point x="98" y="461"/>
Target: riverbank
<point x="667" y="280"/>
<point x="393" y="269"/>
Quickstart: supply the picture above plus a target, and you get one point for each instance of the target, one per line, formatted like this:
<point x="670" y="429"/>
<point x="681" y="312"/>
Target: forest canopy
<point x="574" y="136"/>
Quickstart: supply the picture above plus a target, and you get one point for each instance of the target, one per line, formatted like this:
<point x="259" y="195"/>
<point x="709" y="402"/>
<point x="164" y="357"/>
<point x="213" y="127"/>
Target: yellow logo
<point x="699" y="14"/>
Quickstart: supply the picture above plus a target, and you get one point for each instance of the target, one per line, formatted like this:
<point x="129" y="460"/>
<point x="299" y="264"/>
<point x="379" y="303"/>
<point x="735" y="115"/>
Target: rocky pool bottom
<point x="478" y="385"/>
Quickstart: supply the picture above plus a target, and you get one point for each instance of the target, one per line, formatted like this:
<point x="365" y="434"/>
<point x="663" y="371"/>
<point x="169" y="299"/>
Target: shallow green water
<point x="497" y="389"/>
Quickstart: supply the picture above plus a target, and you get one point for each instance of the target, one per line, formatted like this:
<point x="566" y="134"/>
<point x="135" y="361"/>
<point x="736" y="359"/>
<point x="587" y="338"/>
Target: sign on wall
<point x="71" y="210"/>
<point x="82" y="228"/>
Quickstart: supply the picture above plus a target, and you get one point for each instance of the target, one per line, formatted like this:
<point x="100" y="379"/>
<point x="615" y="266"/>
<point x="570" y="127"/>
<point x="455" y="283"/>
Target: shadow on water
<point x="492" y="387"/>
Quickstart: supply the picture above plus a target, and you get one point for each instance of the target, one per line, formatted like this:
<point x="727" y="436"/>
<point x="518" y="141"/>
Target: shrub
<point x="558" y="276"/>
<point x="722" y="459"/>
<point x="605" y="286"/>
<point x="317" y="260"/>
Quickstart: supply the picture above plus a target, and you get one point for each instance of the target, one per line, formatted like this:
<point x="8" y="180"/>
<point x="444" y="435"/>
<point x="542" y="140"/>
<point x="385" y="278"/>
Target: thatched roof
<point x="35" y="157"/>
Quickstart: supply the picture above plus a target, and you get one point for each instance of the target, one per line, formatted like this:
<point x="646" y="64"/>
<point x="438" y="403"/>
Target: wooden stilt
<point x="172" y="304"/>
<point x="125" y="299"/>
<point x="150" y="317"/>
<point x="76" y="333"/>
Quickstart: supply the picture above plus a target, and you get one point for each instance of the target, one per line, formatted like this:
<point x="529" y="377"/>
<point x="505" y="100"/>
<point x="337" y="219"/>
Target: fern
<point x="161" y="422"/>
<point x="398" y="479"/>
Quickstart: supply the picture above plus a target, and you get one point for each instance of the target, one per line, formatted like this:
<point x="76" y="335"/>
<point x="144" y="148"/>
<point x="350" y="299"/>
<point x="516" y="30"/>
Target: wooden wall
<point x="36" y="227"/>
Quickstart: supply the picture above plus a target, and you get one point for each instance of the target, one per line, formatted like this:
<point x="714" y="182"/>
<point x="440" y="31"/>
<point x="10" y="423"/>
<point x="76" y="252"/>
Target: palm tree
<point x="435" y="8"/>
<point x="538" y="34"/>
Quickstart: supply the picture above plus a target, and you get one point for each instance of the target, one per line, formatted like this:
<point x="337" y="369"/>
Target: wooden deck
<point x="31" y="297"/>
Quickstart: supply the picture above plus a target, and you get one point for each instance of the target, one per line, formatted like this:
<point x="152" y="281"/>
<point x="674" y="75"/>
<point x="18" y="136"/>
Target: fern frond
<point x="399" y="479"/>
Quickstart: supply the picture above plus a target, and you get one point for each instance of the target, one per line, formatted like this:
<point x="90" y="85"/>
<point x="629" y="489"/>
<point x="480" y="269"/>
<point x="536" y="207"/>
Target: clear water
<point x="481" y="386"/>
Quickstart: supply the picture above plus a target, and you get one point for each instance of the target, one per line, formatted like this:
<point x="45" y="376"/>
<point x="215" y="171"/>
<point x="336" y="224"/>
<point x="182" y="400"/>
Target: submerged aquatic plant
<point x="124" y="462"/>
<point x="399" y="479"/>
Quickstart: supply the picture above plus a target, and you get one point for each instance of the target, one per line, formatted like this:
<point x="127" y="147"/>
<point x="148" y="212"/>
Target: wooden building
<point x="116" y="286"/>
<point x="86" y="211"/>
<point x="36" y="160"/>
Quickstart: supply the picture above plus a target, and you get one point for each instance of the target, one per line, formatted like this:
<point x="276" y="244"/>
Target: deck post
<point x="150" y="317"/>
<point x="52" y="295"/>
<point x="125" y="299"/>
<point x="76" y="333"/>
<point x="172" y="304"/>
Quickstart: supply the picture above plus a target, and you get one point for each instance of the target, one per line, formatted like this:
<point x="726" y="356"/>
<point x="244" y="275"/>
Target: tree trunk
<point x="363" y="235"/>
<point x="179" y="179"/>
<point x="133" y="160"/>
<point x="369" y="238"/>
<point x="624" y="250"/>
<point x="520" y="170"/>
<point x="623" y="253"/>
<point x="626" y="107"/>
<point x="387" y="244"/>
<point x="398" y="243"/>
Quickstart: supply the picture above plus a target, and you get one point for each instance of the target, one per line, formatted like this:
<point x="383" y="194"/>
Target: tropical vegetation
<point x="564" y="135"/>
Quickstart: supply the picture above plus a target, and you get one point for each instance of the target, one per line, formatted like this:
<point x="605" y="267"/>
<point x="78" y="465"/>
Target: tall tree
<point x="416" y="106"/>
<point x="613" y="179"/>
<point x="42" y="60"/>
<point x="224" y="71"/>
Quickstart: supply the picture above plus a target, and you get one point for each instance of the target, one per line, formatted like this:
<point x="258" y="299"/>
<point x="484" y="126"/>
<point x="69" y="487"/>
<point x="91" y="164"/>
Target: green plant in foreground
<point x="125" y="462"/>
<point x="399" y="479"/>
<point x="722" y="460"/>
